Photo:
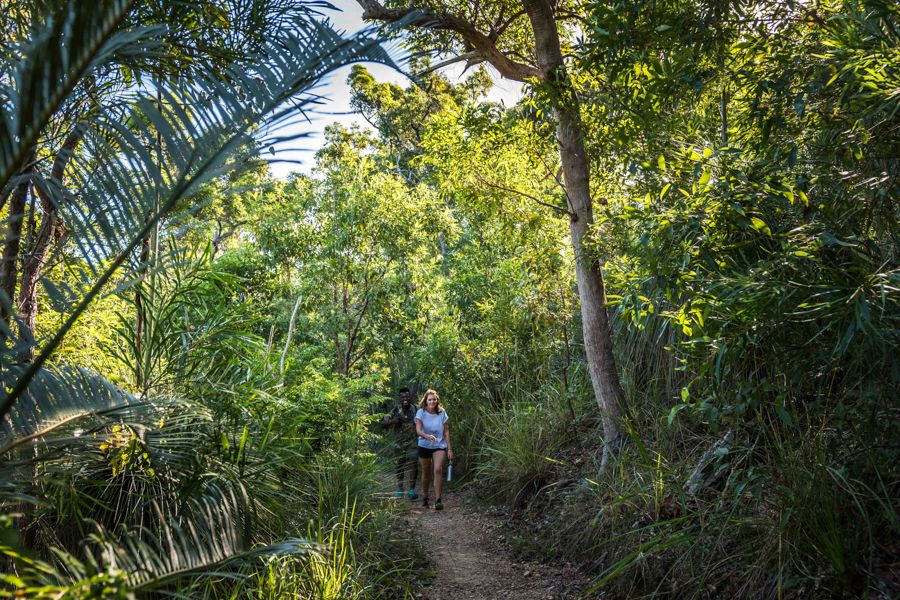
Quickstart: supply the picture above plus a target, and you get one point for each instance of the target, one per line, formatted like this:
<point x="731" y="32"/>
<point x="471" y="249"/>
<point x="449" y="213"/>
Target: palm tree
<point x="59" y="421"/>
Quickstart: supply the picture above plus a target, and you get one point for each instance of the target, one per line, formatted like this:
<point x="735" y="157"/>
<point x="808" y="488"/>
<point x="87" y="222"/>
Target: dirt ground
<point x="471" y="563"/>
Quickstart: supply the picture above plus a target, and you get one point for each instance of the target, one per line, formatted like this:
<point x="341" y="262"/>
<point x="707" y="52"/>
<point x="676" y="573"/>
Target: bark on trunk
<point x="140" y="320"/>
<point x="48" y="234"/>
<point x="13" y="235"/>
<point x="576" y="177"/>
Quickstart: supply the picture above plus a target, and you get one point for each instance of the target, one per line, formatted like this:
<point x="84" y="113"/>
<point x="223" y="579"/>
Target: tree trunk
<point x="48" y="234"/>
<point x="12" y="243"/>
<point x="576" y="174"/>
<point x="140" y="323"/>
<point x="576" y="177"/>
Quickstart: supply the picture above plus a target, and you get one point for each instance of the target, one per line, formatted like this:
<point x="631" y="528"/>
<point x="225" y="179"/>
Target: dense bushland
<point x="744" y="161"/>
<point x="160" y="432"/>
<point x="191" y="390"/>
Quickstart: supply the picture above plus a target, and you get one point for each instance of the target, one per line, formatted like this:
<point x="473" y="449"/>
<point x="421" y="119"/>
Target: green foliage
<point x="248" y="330"/>
<point x="105" y="493"/>
<point x="750" y="248"/>
<point x="745" y="155"/>
<point x="520" y="441"/>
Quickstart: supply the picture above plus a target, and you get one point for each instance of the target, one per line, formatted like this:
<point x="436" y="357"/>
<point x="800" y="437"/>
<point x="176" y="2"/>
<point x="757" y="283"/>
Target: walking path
<point x="470" y="562"/>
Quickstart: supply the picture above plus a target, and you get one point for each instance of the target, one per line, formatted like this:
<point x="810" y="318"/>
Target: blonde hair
<point x="424" y="403"/>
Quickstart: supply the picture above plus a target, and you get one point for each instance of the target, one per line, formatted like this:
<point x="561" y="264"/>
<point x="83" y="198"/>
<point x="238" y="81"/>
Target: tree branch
<point x="429" y="19"/>
<point x="502" y="27"/>
<point x="287" y="341"/>
<point x="558" y="209"/>
<point x="474" y="57"/>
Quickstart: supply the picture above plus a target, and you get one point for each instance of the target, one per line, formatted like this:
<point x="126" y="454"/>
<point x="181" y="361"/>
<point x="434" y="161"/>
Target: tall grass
<point x="359" y="551"/>
<point x="519" y="442"/>
<point x="333" y="571"/>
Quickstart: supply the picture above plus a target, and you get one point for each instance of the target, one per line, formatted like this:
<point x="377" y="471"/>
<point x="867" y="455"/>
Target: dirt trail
<point x="470" y="562"/>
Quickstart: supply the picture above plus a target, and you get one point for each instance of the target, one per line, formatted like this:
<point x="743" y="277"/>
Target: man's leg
<point x="401" y="471"/>
<point x="412" y="466"/>
<point x="413" y="472"/>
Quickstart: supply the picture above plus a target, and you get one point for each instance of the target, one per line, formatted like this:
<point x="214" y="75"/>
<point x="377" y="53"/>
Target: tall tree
<point x="499" y="34"/>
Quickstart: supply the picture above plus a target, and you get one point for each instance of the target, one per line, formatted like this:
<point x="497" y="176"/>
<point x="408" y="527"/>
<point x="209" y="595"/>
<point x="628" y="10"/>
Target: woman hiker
<point x="434" y="444"/>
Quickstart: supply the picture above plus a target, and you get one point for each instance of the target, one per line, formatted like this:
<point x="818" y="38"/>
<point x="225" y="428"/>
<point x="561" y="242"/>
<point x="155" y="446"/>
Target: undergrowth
<point x="359" y="547"/>
<point x="793" y="508"/>
<point x="793" y="527"/>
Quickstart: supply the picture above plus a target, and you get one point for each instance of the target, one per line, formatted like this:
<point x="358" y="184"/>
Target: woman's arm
<point x="447" y="437"/>
<point x="422" y="434"/>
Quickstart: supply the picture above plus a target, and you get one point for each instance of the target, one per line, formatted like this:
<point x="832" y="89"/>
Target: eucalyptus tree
<point x="362" y="229"/>
<point x="509" y="279"/>
<point x="526" y="42"/>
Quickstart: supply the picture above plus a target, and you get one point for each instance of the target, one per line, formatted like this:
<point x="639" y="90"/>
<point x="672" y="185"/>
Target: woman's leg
<point x="438" y="458"/>
<point x="426" y="475"/>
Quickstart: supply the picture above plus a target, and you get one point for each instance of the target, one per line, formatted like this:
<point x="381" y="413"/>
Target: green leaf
<point x="661" y="161"/>
<point x="784" y="416"/>
<point x="674" y="412"/>
<point x="760" y="225"/>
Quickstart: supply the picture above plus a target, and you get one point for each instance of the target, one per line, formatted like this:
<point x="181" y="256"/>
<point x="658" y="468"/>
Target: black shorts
<point x="427" y="452"/>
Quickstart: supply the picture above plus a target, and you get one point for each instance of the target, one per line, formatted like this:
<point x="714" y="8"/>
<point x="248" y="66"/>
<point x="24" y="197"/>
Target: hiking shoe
<point x="398" y="493"/>
<point x="412" y="494"/>
<point x="438" y="505"/>
<point x="425" y="502"/>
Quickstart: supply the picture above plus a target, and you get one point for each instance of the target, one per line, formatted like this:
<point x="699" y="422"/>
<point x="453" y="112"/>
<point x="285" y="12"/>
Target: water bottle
<point x="449" y="471"/>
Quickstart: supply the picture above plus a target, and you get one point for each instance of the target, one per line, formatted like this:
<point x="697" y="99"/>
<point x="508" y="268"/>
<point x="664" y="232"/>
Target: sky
<point x="336" y="108"/>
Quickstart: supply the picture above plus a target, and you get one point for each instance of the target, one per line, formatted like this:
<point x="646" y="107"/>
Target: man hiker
<point x="401" y="420"/>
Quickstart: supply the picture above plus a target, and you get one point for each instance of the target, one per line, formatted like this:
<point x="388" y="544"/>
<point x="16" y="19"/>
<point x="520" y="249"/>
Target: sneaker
<point x="398" y="493"/>
<point x="438" y="505"/>
<point x="412" y="494"/>
<point x="425" y="502"/>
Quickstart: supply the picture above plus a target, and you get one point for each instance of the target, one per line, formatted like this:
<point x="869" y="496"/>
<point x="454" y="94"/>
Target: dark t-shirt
<point x="405" y="430"/>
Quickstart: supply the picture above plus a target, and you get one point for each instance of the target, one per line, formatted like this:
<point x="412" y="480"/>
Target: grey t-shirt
<point x="434" y="425"/>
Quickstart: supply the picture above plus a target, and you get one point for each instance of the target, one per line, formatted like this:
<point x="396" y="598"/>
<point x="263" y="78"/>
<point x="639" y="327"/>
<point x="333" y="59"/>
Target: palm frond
<point x="71" y="43"/>
<point x="210" y="536"/>
<point x="124" y="190"/>
<point x="188" y="336"/>
<point x="57" y="398"/>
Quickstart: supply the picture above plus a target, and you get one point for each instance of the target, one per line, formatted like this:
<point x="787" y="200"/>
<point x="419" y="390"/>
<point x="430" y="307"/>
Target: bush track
<point x="470" y="561"/>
